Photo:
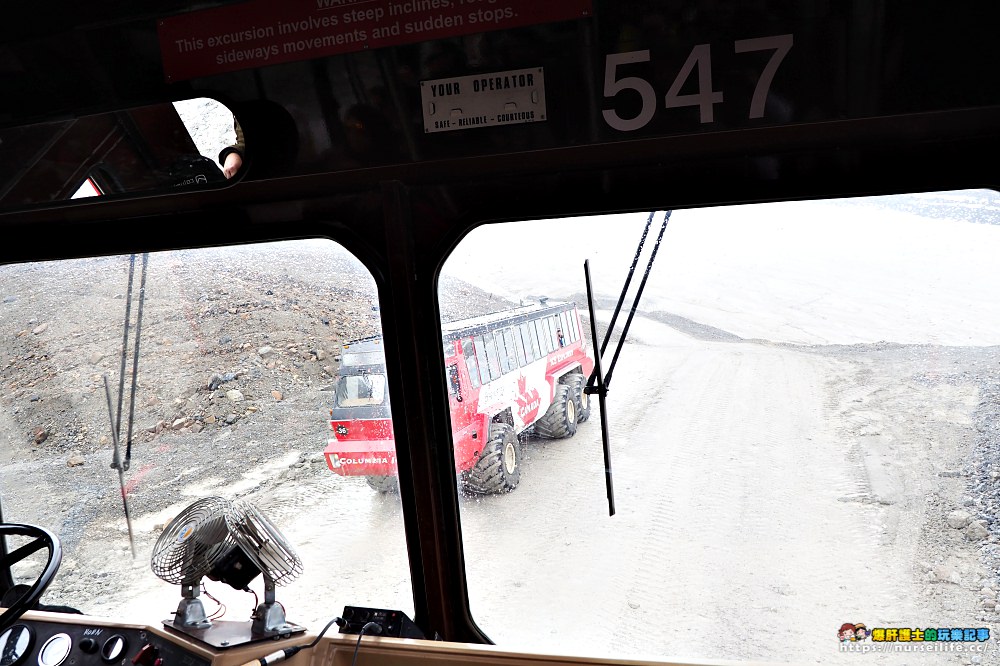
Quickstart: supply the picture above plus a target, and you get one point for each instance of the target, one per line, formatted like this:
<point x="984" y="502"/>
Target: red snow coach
<point x="511" y="372"/>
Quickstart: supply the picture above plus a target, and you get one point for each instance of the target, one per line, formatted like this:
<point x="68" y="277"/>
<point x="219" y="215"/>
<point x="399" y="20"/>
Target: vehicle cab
<point x="567" y="332"/>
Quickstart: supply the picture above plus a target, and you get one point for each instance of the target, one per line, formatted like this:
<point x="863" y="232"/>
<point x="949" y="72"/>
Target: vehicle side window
<point x="454" y="385"/>
<point x="550" y="327"/>
<point x="502" y="352"/>
<point x="536" y="348"/>
<point x="483" y="359"/>
<point x="518" y="346"/>
<point x="508" y="338"/>
<point x="469" y="352"/>
<point x="492" y="357"/>
<point x="568" y="326"/>
<point x="538" y="326"/>
<point x="530" y="353"/>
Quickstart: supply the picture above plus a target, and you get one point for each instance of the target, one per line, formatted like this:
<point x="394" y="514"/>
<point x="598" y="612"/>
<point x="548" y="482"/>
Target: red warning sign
<point x="263" y="32"/>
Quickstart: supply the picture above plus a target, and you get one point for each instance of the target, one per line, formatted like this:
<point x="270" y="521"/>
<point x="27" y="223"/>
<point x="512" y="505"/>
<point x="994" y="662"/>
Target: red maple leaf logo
<point x="527" y="401"/>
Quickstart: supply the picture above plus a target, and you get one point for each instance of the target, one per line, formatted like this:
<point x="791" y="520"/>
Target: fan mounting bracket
<point x="225" y="634"/>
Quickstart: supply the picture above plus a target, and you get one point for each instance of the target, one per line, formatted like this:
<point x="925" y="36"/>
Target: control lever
<point x="148" y="655"/>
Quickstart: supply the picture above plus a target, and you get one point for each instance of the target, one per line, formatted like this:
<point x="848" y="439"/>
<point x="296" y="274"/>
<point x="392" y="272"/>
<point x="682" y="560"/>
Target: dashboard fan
<point x="189" y="548"/>
<point x="277" y="561"/>
<point x="231" y="542"/>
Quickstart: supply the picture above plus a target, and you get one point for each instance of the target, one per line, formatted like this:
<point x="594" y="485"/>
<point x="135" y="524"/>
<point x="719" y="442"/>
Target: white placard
<point x="483" y="100"/>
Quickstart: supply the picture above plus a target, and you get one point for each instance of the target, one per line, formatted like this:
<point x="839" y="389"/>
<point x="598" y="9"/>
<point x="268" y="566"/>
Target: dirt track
<point x="758" y="486"/>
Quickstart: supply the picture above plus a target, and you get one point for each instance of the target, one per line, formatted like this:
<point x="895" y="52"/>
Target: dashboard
<point x="42" y="638"/>
<point x="50" y="639"/>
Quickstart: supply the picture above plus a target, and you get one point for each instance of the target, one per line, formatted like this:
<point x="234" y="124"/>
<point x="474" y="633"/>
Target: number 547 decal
<point x="700" y="60"/>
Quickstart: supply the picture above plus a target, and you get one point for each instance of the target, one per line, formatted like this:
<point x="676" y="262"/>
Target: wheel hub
<point x="509" y="458"/>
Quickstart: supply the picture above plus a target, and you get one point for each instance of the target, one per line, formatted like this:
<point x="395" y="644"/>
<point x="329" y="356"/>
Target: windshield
<point x="238" y="351"/>
<point x="803" y="435"/>
<point x="361" y="390"/>
<point x="802" y="427"/>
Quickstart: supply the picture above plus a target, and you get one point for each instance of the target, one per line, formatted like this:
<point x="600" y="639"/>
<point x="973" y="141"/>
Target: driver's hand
<point x="232" y="165"/>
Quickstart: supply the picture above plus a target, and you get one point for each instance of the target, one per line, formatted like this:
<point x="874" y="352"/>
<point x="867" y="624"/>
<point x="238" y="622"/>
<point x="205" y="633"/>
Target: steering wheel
<point x="41" y="538"/>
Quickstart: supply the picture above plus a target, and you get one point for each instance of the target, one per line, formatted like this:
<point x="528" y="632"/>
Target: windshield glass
<point x="238" y="350"/>
<point x="361" y="390"/>
<point x="802" y="419"/>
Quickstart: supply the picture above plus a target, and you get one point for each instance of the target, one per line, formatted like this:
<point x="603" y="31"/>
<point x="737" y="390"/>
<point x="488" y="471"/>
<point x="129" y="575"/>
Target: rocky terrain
<point x="219" y="344"/>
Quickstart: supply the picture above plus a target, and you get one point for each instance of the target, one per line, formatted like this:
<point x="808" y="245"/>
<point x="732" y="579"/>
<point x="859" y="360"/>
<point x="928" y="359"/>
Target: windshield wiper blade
<point x="601" y="390"/>
<point x="117" y="464"/>
<point x="598" y="382"/>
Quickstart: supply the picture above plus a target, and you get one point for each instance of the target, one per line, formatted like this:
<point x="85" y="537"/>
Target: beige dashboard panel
<point x="332" y="650"/>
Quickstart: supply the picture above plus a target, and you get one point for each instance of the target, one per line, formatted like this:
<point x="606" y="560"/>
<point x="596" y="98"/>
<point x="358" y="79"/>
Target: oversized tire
<point x="498" y="469"/>
<point x="383" y="484"/>
<point x="577" y="382"/>
<point x="559" y="421"/>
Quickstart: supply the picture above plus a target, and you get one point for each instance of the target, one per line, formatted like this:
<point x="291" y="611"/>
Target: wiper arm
<point x="638" y="295"/>
<point x="117" y="463"/>
<point x="635" y="301"/>
<point x="116" y="423"/>
<point x="598" y="382"/>
<point x="628" y="281"/>
<point x="601" y="390"/>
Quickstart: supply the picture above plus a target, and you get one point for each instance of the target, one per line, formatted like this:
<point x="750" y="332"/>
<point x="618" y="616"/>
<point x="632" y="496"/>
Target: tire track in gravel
<point x="746" y="530"/>
<point x="661" y="515"/>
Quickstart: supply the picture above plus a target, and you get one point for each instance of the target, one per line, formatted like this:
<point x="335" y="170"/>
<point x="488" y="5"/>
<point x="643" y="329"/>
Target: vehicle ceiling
<point x="880" y="97"/>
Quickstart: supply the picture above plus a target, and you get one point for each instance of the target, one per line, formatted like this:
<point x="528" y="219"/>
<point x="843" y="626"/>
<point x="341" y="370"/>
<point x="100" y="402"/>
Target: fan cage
<point x="193" y="542"/>
<point x="263" y="543"/>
